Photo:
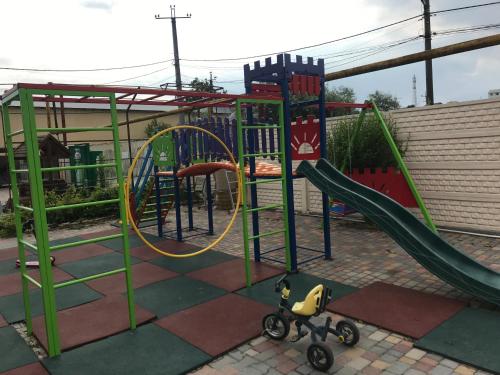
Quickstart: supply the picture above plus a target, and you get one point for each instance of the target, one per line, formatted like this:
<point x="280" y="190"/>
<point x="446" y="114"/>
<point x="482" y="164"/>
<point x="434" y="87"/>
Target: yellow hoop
<point x="129" y="182"/>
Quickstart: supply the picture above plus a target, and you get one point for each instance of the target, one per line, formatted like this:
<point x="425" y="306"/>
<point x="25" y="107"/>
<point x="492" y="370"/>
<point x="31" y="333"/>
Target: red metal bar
<point x="145" y="91"/>
<point x="332" y="105"/>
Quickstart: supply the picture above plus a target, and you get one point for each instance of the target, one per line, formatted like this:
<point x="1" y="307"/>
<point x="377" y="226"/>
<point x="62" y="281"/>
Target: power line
<point x="85" y="70"/>
<point x="143" y="75"/>
<point x="466" y="7"/>
<point x="311" y="46"/>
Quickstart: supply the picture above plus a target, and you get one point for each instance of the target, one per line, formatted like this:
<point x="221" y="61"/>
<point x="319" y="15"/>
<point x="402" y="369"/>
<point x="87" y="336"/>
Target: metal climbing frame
<point x="249" y="154"/>
<point x="39" y="210"/>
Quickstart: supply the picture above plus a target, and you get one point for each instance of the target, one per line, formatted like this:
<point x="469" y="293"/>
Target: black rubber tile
<point x="134" y="241"/>
<point x="14" y="350"/>
<point x="185" y="265"/>
<point x="12" y="308"/>
<point x="8" y="266"/>
<point x="148" y="350"/>
<point x="471" y="336"/>
<point x="169" y="296"/>
<point x="95" y="265"/>
<point x="301" y="284"/>
<point x="66" y="240"/>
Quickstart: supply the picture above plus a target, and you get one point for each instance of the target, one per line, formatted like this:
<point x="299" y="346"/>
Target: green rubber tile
<point x="134" y="241"/>
<point x="301" y="284"/>
<point x="64" y="241"/>
<point x="169" y="296"/>
<point x="12" y="308"/>
<point x="8" y="266"/>
<point x="471" y="336"/>
<point x="15" y="351"/>
<point x="148" y="350"/>
<point x="95" y="265"/>
<point x="185" y="265"/>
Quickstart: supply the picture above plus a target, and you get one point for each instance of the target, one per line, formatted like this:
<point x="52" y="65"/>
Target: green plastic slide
<point x="426" y="247"/>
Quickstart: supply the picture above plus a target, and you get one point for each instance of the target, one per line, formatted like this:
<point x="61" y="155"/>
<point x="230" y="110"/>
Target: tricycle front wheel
<point x="276" y="326"/>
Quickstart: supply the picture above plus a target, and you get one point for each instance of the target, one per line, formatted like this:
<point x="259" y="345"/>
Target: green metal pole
<point x="17" y="216"/>
<point x="281" y="123"/>
<point x="404" y="169"/>
<point x="241" y="160"/>
<point x="40" y="219"/>
<point x="123" y="213"/>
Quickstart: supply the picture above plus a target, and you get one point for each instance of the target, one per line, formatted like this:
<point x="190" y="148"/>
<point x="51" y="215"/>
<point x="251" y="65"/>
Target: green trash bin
<point x="95" y="157"/>
<point x="79" y="155"/>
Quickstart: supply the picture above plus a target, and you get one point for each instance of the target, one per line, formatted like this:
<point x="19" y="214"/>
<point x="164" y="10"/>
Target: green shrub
<point x="155" y="126"/>
<point x="370" y="148"/>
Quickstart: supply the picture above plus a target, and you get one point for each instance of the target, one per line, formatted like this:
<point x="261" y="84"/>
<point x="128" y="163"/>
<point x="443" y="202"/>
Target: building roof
<point x="48" y="146"/>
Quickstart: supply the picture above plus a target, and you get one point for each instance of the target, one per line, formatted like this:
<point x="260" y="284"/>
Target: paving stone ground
<point x="361" y="255"/>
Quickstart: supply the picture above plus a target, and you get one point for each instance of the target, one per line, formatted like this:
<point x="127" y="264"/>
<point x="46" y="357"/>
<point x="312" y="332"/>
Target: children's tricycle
<point x="277" y="325"/>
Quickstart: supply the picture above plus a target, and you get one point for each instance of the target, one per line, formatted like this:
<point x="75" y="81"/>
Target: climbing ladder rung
<point x="267" y="234"/>
<point x="17" y="132"/>
<point x="30" y="245"/>
<point x="74" y="167"/>
<point x="85" y="204"/>
<point x="88" y="278"/>
<point x="84" y="242"/>
<point x="24" y="208"/>
<point x="32" y="280"/>
<point x="263" y="208"/>
<point x="73" y="130"/>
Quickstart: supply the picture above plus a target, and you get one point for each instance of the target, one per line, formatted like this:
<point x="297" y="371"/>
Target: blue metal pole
<point x="209" y="205"/>
<point x="178" y="221"/>
<point x="189" y="202"/>
<point x="323" y="151"/>
<point x="288" y="167"/>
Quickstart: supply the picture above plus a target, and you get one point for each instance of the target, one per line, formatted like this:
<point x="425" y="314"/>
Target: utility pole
<point x="173" y="19"/>
<point x="414" y="87"/>
<point x="428" y="46"/>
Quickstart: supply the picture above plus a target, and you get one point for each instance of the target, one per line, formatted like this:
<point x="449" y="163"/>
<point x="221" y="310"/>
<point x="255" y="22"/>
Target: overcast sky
<point x="85" y="34"/>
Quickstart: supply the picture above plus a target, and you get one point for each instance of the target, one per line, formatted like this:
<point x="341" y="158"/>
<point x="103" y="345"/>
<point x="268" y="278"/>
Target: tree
<point x="384" y="101"/>
<point x="154" y="126"/>
<point x="340" y="94"/>
<point x="202" y="85"/>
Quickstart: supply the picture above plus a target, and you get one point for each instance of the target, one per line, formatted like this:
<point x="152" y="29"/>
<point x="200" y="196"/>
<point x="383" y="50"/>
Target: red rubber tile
<point x="32" y="369"/>
<point x="11" y="283"/>
<point x="231" y="275"/>
<point x="3" y="323"/>
<point x="73" y="254"/>
<point x="144" y="253"/>
<point x="91" y="322"/>
<point x="219" y="325"/>
<point x="11" y="253"/>
<point x="142" y="274"/>
<point x="405" y="311"/>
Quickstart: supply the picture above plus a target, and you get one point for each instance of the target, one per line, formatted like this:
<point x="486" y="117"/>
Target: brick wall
<point x="454" y="157"/>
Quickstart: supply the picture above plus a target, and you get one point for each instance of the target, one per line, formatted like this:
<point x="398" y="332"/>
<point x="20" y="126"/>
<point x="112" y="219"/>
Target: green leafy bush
<point x="370" y="149"/>
<point x="71" y="196"/>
